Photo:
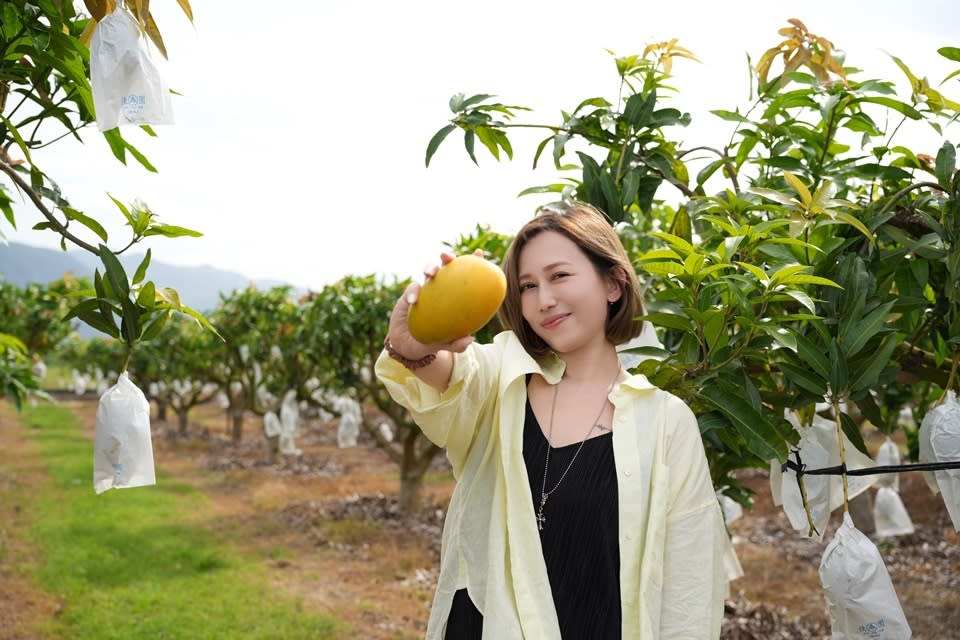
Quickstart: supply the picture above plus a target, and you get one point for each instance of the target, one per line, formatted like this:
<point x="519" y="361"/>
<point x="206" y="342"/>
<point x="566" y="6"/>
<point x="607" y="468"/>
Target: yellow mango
<point x="463" y="296"/>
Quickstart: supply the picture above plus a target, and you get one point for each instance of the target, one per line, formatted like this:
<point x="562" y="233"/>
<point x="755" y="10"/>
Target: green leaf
<point x="130" y="325"/>
<point x="469" y="139"/>
<point x="484" y="134"/>
<point x="867" y="373"/>
<point x="155" y="326"/>
<point x="761" y="437"/>
<point x="802" y="298"/>
<point x="435" y="141"/>
<point x="88" y="222"/>
<point x="680" y="245"/>
<point x="776" y="196"/>
<point x="783" y="274"/>
<point x="804" y="379"/>
<point x="88" y="311"/>
<point x="896" y="105"/>
<point x="854" y="222"/>
<point x="813" y="356"/>
<point x="147" y="298"/>
<point x="663" y="268"/>
<point x="950" y="53"/>
<point x="124" y="210"/>
<point x="203" y="322"/>
<point x="852" y="431"/>
<point x="669" y="320"/>
<point x="780" y="334"/>
<point x="802" y="278"/>
<point x="170" y="231"/>
<point x="142" y="269"/>
<point x="729" y="116"/>
<point x="864" y="329"/>
<point x="104" y="294"/>
<point x="757" y="272"/>
<point x="838" y="370"/>
<point x="115" y="273"/>
<point x="946" y="163"/>
<point x="24" y="148"/>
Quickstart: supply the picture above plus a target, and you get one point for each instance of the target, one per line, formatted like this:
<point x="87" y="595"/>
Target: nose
<point x="545" y="298"/>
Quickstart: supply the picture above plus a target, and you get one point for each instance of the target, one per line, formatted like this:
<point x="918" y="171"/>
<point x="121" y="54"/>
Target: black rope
<point x="801" y="469"/>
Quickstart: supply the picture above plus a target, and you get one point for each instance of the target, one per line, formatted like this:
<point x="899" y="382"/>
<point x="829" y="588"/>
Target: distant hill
<point x="199" y="287"/>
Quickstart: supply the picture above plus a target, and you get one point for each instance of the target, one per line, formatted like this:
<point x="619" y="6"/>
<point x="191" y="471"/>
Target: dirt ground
<point x="327" y="527"/>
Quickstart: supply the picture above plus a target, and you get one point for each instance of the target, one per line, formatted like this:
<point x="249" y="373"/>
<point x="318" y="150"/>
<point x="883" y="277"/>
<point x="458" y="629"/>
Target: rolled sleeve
<point x="696" y="542"/>
<point x="449" y="418"/>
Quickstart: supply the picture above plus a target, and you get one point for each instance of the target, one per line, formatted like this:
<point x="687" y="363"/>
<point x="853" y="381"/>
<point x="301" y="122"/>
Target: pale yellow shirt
<point x="673" y="543"/>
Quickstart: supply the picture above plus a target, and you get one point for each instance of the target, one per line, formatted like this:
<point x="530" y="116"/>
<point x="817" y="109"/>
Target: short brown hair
<point x="591" y="230"/>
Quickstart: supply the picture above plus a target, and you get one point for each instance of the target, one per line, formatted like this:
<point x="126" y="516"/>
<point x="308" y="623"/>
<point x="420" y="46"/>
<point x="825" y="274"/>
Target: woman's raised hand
<point x="399" y="333"/>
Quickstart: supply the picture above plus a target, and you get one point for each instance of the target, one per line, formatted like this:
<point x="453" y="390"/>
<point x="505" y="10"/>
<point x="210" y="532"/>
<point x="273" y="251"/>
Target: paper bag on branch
<point x="890" y="517"/>
<point x="123" y="451"/>
<point x="127" y="87"/>
<point x="863" y="604"/>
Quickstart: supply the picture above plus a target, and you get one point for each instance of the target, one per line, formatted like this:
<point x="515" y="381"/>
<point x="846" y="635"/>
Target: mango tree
<point x="342" y="330"/>
<point x="252" y="365"/>
<point x="45" y="96"/>
<point x="810" y="257"/>
<point x="33" y="327"/>
<point x="177" y="365"/>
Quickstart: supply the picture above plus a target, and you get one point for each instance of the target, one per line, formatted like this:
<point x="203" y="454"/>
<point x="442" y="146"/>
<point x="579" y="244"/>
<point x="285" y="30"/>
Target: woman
<point x="583" y="506"/>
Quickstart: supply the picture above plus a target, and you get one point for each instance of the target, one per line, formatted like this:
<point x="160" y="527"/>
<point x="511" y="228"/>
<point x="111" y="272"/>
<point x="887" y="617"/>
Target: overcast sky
<point x="301" y="129"/>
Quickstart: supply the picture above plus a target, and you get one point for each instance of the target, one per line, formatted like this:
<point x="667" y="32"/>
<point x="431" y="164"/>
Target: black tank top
<point x="580" y="539"/>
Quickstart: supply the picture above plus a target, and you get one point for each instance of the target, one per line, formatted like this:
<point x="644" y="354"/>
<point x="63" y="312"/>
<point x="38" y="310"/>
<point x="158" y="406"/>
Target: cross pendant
<point x="541" y="519"/>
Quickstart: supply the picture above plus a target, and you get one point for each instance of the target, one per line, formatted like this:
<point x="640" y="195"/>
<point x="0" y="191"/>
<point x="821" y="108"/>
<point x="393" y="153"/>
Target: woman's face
<point x="562" y="297"/>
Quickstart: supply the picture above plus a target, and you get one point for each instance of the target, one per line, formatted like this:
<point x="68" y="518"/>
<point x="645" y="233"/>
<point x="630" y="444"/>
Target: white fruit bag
<point x="127" y="87"/>
<point x="946" y="412"/>
<point x="863" y="604"/>
<point x="888" y="455"/>
<point x="944" y="436"/>
<point x="889" y="515"/>
<point x="122" y="448"/>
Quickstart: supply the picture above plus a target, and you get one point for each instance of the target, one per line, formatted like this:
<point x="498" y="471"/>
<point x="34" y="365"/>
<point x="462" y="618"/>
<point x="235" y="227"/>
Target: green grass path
<point x="141" y="564"/>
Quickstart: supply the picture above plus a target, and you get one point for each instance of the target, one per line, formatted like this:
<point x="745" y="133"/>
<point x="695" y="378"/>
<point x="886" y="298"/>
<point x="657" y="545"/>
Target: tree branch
<point x="38" y="202"/>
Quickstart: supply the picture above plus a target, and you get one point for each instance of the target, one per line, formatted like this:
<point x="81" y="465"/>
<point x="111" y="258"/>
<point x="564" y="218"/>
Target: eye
<point x="559" y="275"/>
<point x="524" y="286"/>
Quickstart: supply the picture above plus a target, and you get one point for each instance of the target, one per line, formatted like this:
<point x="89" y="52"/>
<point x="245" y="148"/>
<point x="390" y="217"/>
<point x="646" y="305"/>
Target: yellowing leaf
<point x="185" y="5"/>
<point x="154" y="34"/>
<point x="97" y="9"/>
<point x="798" y="24"/>
<point x="87" y="34"/>
<point x="800" y="188"/>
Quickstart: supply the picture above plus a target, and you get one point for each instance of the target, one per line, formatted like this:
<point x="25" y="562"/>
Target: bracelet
<point x="407" y="362"/>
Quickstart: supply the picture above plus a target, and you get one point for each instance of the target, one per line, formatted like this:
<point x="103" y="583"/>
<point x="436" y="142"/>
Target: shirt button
<point x="629" y="536"/>
<point x="627" y="473"/>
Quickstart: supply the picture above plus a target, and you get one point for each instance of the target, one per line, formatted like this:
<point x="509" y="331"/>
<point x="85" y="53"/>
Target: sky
<point x="298" y="148"/>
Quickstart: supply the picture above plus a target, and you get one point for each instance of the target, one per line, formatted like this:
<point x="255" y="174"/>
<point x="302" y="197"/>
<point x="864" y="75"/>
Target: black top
<point x="579" y="538"/>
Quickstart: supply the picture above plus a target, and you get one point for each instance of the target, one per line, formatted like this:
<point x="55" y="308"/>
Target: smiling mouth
<point x="554" y="321"/>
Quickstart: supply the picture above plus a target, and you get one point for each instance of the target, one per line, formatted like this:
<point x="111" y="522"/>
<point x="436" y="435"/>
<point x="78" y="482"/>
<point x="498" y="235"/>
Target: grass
<point x="145" y="562"/>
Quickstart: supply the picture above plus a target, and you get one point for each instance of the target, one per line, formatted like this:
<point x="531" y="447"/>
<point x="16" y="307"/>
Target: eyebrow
<point x="552" y="265"/>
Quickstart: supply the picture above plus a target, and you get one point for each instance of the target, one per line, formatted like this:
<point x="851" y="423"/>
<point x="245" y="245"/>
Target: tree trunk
<point x="161" y="411"/>
<point x="182" y="422"/>
<point x="411" y="491"/>
<point x="237" y="429"/>
<point x="273" y="447"/>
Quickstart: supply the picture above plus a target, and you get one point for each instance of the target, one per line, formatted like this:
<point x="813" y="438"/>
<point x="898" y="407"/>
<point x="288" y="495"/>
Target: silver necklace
<point x="544" y="494"/>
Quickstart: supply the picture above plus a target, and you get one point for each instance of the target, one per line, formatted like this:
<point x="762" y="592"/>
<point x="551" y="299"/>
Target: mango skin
<point x="463" y="296"/>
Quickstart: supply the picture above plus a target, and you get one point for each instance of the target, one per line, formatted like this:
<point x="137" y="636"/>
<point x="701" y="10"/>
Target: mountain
<point x="199" y="287"/>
